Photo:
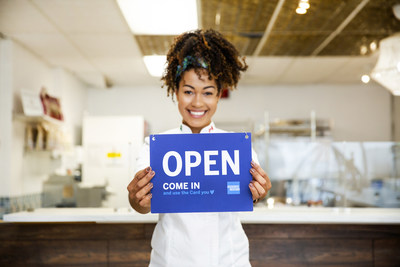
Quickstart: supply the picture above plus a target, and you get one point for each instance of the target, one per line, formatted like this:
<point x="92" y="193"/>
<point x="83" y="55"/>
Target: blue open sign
<point x="201" y="172"/>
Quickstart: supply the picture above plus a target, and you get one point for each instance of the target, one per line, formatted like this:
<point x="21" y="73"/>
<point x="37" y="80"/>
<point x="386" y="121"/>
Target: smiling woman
<point x="199" y="65"/>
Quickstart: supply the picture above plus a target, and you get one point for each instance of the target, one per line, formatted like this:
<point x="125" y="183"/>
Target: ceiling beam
<point x="269" y="27"/>
<point x="199" y="13"/>
<point x="340" y="28"/>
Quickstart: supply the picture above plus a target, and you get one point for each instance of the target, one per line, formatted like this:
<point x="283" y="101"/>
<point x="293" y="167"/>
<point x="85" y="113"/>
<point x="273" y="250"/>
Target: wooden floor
<point x="89" y="244"/>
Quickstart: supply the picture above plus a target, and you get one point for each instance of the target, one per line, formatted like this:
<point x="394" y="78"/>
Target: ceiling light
<point x="363" y="50"/>
<point x="301" y="11"/>
<point x="365" y="78"/>
<point x="373" y="46"/>
<point x="217" y="19"/>
<point x="387" y="69"/>
<point x="396" y="11"/>
<point x="155" y="64"/>
<point x="304" y="5"/>
<point x="160" y="17"/>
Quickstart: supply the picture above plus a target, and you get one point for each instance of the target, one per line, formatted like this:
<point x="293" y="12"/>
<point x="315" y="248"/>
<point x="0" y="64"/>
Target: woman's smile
<point x="197" y="114"/>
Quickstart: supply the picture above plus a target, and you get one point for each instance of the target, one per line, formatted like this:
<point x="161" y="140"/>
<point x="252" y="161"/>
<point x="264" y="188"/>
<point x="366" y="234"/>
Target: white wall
<point x="360" y="112"/>
<point x="5" y="114"/>
<point x="25" y="172"/>
<point x="151" y="102"/>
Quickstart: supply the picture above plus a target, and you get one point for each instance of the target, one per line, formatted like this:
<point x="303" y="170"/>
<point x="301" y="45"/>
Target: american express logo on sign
<point x="233" y="188"/>
<point x="201" y="172"/>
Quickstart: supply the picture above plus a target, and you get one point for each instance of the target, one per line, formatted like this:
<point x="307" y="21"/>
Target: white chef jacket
<point x="196" y="239"/>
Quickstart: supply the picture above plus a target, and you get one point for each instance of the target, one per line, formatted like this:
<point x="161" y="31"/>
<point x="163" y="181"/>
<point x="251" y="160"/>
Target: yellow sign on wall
<point x="113" y="155"/>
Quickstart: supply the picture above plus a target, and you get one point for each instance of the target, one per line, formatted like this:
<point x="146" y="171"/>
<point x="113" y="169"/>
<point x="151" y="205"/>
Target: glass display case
<point x="331" y="174"/>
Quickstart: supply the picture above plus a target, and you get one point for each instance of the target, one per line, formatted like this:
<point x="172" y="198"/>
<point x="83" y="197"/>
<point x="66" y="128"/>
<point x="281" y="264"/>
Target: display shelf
<point x="42" y="133"/>
<point x="302" y="127"/>
<point x="38" y="119"/>
<point x="296" y="127"/>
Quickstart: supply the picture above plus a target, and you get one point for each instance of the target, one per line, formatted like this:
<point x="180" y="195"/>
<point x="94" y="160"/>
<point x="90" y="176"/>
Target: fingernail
<point x="151" y="185"/>
<point x="252" y="163"/>
<point x="147" y="169"/>
<point x="150" y="195"/>
<point x="251" y="170"/>
<point x="251" y="185"/>
<point x="152" y="173"/>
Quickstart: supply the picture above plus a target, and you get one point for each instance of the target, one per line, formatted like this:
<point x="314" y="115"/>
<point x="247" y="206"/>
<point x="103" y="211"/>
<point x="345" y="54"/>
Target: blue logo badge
<point x="233" y="188"/>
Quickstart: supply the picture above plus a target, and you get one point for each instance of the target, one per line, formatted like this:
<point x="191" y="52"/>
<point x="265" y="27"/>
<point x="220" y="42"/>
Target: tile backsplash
<point x="20" y="203"/>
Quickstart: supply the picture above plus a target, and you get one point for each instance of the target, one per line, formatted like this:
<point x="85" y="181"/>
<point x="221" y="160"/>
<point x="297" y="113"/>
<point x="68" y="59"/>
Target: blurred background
<point x="80" y="89"/>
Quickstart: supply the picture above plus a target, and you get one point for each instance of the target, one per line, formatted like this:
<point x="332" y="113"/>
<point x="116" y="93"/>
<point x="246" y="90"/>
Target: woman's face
<point x="197" y="99"/>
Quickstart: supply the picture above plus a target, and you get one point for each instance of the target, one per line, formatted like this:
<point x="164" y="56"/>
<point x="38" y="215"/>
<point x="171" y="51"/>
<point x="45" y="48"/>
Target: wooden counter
<point x="128" y="244"/>
<point x="289" y="236"/>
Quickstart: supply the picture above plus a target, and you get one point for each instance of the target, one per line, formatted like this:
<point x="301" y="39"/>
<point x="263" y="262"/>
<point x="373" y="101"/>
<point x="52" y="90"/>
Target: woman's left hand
<point x="260" y="185"/>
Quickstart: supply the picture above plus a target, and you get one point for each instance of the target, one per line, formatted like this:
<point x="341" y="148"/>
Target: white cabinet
<point x="111" y="145"/>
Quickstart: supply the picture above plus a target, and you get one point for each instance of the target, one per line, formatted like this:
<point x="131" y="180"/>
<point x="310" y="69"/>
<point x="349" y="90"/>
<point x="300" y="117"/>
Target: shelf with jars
<point x="42" y="133"/>
<point x="38" y="119"/>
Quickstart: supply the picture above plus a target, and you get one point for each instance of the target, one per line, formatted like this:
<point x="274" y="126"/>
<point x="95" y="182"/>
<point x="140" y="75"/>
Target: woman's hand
<point x="260" y="185"/>
<point x="139" y="190"/>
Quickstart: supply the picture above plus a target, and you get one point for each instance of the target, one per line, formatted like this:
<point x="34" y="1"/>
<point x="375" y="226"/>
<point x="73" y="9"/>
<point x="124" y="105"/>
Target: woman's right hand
<point x="139" y="190"/>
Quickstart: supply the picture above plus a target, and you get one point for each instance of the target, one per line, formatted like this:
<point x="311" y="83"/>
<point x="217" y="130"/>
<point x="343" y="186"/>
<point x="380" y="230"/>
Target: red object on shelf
<point x="225" y="93"/>
<point x="51" y="105"/>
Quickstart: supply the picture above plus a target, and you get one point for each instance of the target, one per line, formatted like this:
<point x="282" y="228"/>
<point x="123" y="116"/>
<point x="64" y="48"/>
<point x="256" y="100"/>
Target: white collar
<point x="208" y="129"/>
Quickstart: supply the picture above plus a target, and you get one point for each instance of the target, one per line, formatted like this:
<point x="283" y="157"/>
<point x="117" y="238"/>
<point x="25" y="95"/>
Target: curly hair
<point x="222" y="59"/>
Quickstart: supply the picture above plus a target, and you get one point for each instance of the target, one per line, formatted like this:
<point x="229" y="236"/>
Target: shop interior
<point x="321" y="98"/>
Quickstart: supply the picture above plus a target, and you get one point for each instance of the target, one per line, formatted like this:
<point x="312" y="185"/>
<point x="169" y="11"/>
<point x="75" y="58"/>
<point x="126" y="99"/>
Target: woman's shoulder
<point x="170" y="131"/>
<point x="217" y="130"/>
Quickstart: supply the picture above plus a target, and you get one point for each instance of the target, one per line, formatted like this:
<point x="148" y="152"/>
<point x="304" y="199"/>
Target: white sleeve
<point x="254" y="156"/>
<point x="143" y="160"/>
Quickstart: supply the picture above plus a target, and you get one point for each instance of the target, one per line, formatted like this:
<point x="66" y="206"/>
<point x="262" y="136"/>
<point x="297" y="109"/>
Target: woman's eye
<point x="188" y="92"/>
<point x="208" y="93"/>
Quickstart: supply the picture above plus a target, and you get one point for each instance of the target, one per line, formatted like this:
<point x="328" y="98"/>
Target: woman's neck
<point x="195" y="129"/>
